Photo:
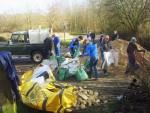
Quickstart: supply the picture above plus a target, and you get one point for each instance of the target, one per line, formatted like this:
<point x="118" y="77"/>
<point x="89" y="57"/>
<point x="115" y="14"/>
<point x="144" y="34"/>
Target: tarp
<point x="48" y="96"/>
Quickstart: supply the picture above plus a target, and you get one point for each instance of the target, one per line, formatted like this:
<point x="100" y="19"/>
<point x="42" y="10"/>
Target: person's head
<point x="80" y="38"/>
<point x="101" y="36"/>
<point x="53" y="35"/>
<point x="107" y="38"/>
<point x="92" y="35"/>
<point x="89" y="32"/>
<point x="133" y="40"/>
<point x="86" y="41"/>
<point x="115" y="32"/>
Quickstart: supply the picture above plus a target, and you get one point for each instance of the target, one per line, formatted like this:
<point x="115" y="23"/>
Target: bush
<point x="2" y="39"/>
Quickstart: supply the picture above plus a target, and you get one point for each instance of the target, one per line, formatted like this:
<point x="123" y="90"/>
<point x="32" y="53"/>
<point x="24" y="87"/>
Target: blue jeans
<point x="93" y="68"/>
<point x="57" y="51"/>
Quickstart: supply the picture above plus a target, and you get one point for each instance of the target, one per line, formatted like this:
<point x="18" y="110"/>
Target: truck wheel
<point x="37" y="57"/>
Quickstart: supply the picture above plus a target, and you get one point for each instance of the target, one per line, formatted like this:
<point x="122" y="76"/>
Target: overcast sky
<point x="22" y="6"/>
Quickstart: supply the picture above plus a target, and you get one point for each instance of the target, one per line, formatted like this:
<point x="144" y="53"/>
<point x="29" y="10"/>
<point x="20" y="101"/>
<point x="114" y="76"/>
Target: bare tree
<point x="131" y="13"/>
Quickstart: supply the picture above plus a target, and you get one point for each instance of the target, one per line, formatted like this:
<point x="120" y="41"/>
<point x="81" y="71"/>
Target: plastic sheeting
<point x="71" y="64"/>
<point x="51" y="96"/>
<point x="41" y="73"/>
<point x="111" y="57"/>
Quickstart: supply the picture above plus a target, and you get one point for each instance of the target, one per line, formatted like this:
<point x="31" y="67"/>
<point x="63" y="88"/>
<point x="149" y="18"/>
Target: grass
<point x="19" y="107"/>
<point x="66" y="42"/>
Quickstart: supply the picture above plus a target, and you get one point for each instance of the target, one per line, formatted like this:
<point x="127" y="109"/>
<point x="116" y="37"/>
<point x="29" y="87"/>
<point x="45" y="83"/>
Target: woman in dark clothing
<point x="131" y="50"/>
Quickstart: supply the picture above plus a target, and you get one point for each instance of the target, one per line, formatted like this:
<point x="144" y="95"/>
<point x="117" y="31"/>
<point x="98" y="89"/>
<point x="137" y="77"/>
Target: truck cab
<point x="25" y="43"/>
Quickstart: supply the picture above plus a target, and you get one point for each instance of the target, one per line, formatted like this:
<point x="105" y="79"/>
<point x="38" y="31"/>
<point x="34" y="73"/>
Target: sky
<point x="23" y="6"/>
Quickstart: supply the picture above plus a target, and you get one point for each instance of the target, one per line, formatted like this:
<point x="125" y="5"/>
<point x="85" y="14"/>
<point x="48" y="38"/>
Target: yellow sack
<point x="26" y="76"/>
<point x="52" y="97"/>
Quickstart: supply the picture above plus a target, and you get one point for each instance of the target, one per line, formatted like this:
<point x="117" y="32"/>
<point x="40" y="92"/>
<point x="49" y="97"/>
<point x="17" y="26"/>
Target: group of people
<point x="91" y="47"/>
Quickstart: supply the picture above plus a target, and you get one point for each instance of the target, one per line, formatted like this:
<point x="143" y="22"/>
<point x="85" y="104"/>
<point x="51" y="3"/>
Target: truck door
<point x="18" y="46"/>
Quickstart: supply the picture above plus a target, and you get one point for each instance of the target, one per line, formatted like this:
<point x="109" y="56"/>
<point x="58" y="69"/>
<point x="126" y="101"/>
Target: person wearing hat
<point x="131" y="51"/>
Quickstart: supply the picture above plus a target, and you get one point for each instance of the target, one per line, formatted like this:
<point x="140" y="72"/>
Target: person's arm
<point x="138" y="50"/>
<point x="141" y="50"/>
<point x="87" y="51"/>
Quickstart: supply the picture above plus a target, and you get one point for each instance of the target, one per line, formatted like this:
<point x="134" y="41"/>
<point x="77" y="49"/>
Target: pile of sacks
<point x="67" y="68"/>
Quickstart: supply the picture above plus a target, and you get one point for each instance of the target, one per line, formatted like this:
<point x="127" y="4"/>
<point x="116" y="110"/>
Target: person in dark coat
<point x="131" y="51"/>
<point x="48" y="45"/>
<point x="92" y="35"/>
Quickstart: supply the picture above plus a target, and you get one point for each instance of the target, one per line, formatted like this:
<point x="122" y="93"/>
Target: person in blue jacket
<point x="7" y="65"/>
<point x="75" y="45"/>
<point x="92" y="52"/>
<point x="57" y="44"/>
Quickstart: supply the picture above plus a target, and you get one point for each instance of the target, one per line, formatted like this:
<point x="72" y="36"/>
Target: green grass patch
<point x="76" y="33"/>
<point x="66" y="42"/>
<point x="19" y="107"/>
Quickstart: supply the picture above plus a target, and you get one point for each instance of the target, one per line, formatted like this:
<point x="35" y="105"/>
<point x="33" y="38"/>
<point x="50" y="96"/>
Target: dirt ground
<point x="110" y="87"/>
